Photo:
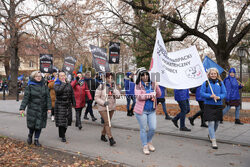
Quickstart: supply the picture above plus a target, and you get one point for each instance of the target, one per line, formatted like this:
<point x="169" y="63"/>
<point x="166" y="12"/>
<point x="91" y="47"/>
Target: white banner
<point x="177" y="70"/>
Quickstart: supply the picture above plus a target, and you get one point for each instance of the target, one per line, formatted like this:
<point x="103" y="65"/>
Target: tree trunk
<point x="222" y="58"/>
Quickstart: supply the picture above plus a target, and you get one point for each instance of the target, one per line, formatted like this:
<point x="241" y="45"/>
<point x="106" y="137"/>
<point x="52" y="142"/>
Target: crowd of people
<point x="56" y="95"/>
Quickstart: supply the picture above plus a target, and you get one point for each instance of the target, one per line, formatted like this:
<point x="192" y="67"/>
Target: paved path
<point x="171" y="151"/>
<point x="227" y="132"/>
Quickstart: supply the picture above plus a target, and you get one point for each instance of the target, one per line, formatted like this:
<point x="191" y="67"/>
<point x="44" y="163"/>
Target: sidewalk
<point x="227" y="132"/>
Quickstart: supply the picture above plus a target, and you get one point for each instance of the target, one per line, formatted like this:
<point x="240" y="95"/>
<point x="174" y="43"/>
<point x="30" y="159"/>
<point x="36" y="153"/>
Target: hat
<point x="128" y="74"/>
<point x="232" y="70"/>
<point x="140" y="70"/>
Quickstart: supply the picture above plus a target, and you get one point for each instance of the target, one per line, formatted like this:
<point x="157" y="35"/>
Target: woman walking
<point x="81" y="89"/>
<point x="53" y="94"/>
<point x="233" y="96"/>
<point x="106" y="95"/>
<point x="213" y="102"/>
<point x="63" y="106"/>
<point x="145" y="108"/>
<point x="37" y="98"/>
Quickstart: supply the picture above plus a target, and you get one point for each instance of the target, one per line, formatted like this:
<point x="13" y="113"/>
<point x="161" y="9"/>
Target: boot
<point x="63" y="139"/>
<point x="29" y="140"/>
<point x="214" y="144"/>
<point x="175" y="123"/>
<point x="79" y="120"/>
<point x="112" y="141"/>
<point x="237" y="121"/>
<point x="132" y="112"/>
<point x="129" y="113"/>
<point x="85" y="117"/>
<point x="103" y="138"/>
<point x="36" y="142"/>
<point x="94" y="119"/>
<point x="204" y="125"/>
<point x="191" y="120"/>
<point x="167" y="117"/>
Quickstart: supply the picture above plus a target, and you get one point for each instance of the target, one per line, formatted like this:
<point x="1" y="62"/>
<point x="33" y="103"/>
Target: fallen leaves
<point x="16" y="153"/>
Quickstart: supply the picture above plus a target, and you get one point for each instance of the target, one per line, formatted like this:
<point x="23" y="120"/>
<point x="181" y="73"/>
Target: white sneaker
<point x="214" y="144"/>
<point x="52" y="118"/>
<point x="151" y="147"/>
<point x="145" y="150"/>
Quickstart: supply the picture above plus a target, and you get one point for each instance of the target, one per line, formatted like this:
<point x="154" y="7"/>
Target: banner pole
<point x="211" y="90"/>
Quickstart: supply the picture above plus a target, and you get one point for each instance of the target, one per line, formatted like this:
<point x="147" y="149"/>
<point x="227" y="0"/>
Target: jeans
<point x="37" y="132"/>
<point x="237" y="111"/>
<point x="147" y="118"/>
<point x="185" y="108"/>
<point x="164" y="108"/>
<point x="129" y="98"/>
<point x="212" y="127"/>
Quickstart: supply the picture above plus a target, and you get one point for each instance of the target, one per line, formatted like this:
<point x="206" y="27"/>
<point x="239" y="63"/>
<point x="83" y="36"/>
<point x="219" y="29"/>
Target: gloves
<point x="77" y="78"/>
<point x="106" y="103"/>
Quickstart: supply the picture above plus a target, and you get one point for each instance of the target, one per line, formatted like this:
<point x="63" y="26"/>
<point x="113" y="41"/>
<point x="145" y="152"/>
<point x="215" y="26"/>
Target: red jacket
<point x="80" y="92"/>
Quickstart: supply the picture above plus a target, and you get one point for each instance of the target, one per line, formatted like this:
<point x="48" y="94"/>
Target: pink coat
<point x="100" y="98"/>
<point x="142" y="96"/>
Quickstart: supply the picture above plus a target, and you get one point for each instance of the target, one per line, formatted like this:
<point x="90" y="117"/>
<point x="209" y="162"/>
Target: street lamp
<point x="241" y="53"/>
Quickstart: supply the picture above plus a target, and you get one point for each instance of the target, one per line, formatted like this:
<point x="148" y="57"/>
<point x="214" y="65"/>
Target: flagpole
<point x="211" y="90"/>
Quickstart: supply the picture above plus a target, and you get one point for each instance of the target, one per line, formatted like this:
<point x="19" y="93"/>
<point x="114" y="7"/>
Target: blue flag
<point x="208" y="63"/>
<point x="80" y="69"/>
<point x="20" y="77"/>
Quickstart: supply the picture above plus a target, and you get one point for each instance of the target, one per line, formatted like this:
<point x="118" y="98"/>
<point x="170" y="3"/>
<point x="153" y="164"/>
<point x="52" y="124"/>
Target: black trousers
<point x="200" y="113"/>
<point x="62" y="130"/>
<point x="37" y="132"/>
<point x="89" y="108"/>
<point x="78" y="117"/>
<point x="52" y="112"/>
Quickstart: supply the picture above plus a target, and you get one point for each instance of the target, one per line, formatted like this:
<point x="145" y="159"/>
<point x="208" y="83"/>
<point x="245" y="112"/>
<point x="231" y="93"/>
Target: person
<point x="233" y="96"/>
<point x="99" y="80"/>
<point x="182" y="98"/>
<point x="106" y="95"/>
<point x="92" y="85"/>
<point x="37" y="98"/>
<point x="146" y="92"/>
<point x="129" y="91"/>
<point x="213" y="102"/>
<point x="81" y="89"/>
<point x="63" y="105"/>
<point x="161" y="100"/>
<point x="200" y="113"/>
<point x="52" y="93"/>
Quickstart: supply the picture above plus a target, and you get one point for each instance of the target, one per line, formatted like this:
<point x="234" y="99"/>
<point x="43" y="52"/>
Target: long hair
<point x="33" y="74"/>
<point x="216" y="70"/>
<point x="138" y="79"/>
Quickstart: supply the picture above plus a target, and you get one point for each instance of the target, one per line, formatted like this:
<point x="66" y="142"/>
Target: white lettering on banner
<point x="178" y="70"/>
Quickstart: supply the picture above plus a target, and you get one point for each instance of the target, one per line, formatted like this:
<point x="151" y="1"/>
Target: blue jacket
<point x="181" y="94"/>
<point x="218" y="91"/>
<point x="149" y="104"/>
<point x="129" y="87"/>
<point x="162" y="92"/>
<point x="232" y="87"/>
<point x="198" y="94"/>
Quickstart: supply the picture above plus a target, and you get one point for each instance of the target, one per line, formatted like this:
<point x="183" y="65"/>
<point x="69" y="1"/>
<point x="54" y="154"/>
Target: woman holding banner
<point x="105" y="97"/>
<point x="233" y="96"/>
<point x="146" y="93"/>
<point x="213" y="91"/>
<point x="63" y="106"/>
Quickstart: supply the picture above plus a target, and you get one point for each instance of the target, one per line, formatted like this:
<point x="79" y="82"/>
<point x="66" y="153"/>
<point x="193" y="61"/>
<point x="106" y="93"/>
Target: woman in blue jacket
<point x="233" y="96"/>
<point x="130" y="92"/>
<point x="182" y="97"/>
<point x="213" y="102"/>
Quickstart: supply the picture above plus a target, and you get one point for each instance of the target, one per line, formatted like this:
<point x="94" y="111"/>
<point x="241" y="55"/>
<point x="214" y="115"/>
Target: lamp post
<point x="241" y="54"/>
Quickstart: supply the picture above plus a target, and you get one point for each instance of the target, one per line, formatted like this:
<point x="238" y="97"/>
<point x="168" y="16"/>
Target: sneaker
<point x="94" y="119"/>
<point x="52" y="118"/>
<point x="214" y="144"/>
<point x="64" y="139"/>
<point x="204" y="125"/>
<point x="185" y="129"/>
<point x="145" y="150"/>
<point x="151" y="147"/>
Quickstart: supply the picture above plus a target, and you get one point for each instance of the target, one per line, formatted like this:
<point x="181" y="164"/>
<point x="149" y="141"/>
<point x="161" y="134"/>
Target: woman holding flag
<point x="213" y="91"/>
<point x="146" y="93"/>
<point x="105" y="97"/>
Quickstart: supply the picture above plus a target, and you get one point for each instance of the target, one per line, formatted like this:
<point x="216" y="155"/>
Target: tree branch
<point x="199" y="13"/>
<point x="236" y="22"/>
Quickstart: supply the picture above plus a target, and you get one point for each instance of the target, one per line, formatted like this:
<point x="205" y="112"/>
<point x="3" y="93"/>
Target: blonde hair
<point x="216" y="70"/>
<point x="33" y="74"/>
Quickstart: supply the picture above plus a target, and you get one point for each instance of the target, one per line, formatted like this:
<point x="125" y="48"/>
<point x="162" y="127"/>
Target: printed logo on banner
<point x="114" y="52"/>
<point x="194" y="72"/>
<point x="46" y="63"/>
<point x="99" y="59"/>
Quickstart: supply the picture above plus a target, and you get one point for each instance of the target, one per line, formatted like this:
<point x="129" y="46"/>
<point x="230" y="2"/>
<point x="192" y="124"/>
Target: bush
<point x="170" y="92"/>
<point x="246" y="88"/>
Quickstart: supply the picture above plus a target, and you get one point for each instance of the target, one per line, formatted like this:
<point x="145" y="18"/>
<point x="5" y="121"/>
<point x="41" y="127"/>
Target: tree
<point x="230" y="29"/>
<point x="14" y="18"/>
